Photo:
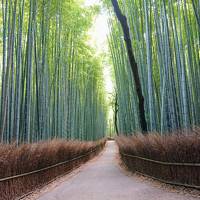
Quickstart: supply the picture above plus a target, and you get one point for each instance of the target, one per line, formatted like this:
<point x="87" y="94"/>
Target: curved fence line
<point x="165" y="164"/>
<point x="169" y="182"/>
<point x="47" y="183"/>
<point x="46" y="168"/>
<point x="162" y="162"/>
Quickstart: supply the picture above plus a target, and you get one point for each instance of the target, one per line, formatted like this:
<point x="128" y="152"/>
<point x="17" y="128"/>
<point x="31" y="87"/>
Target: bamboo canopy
<point x="165" y="39"/>
<point x="52" y="82"/>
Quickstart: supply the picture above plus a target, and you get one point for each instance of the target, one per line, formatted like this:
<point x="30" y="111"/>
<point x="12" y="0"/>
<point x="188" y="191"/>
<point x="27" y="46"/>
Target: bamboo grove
<point x="51" y="82"/>
<point x="166" y="43"/>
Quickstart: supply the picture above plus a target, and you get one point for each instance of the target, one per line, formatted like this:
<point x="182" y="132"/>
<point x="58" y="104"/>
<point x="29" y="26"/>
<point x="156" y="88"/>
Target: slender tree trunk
<point x="123" y="21"/>
<point x="116" y="112"/>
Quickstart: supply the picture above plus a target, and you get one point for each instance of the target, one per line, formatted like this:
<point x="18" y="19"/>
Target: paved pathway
<point x="104" y="180"/>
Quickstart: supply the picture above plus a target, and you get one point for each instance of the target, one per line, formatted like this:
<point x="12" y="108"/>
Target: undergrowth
<point x="180" y="147"/>
<point x="30" y="157"/>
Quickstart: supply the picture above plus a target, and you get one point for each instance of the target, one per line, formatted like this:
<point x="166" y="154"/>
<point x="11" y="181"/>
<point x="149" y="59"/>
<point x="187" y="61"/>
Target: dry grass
<point x="29" y="157"/>
<point x="176" y="148"/>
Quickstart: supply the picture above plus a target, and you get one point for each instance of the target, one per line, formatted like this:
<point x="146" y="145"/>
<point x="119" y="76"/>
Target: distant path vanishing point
<point x="104" y="180"/>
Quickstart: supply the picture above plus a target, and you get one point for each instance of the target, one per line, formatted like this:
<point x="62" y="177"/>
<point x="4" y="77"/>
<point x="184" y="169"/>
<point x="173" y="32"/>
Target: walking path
<point x="104" y="180"/>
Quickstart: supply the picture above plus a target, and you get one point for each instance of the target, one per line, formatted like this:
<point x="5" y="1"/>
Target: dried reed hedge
<point x="30" y="157"/>
<point x="176" y="148"/>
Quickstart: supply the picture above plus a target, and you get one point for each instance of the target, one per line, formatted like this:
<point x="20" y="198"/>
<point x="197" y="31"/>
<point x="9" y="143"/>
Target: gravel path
<point x="104" y="180"/>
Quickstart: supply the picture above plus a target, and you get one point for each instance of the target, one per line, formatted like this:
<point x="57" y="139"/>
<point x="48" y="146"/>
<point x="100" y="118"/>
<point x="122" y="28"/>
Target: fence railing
<point x="156" y="169"/>
<point x="47" y="168"/>
<point x="29" y="181"/>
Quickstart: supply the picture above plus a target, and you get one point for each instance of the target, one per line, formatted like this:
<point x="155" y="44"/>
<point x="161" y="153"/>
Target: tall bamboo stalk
<point x="50" y="76"/>
<point x="165" y="38"/>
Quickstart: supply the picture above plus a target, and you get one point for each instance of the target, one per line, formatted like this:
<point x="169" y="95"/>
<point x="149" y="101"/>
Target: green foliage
<point x="165" y="39"/>
<point x="51" y="81"/>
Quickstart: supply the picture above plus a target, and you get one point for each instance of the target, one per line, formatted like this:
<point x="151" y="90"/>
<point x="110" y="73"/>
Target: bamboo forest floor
<point x="103" y="179"/>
